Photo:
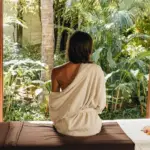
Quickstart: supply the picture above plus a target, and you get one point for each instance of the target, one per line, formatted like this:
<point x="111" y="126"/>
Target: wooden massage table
<point x="42" y="135"/>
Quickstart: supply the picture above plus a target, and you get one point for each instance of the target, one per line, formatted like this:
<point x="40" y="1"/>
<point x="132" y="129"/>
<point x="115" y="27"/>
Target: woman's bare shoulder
<point x="61" y="66"/>
<point x="57" y="70"/>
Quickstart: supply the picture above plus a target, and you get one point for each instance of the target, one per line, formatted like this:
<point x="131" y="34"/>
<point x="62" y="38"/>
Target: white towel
<point x="75" y="110"/>
<point x="133" y="129"/>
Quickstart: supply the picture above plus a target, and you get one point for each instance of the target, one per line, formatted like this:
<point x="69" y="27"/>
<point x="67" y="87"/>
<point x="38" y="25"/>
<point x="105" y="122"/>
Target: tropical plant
<point x="22" y="87"/>
<point x="121" y="47"/>
<point x="10" y="49"/>
<point x="116" y="45"/>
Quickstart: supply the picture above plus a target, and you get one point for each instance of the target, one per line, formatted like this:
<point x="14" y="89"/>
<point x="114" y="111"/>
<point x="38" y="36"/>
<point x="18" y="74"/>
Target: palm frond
<point x="137" y="35"/>
<point x="122" y="19"/>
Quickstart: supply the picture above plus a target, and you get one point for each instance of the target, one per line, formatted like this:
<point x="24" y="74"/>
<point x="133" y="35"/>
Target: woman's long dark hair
<point x="80" y="47"/>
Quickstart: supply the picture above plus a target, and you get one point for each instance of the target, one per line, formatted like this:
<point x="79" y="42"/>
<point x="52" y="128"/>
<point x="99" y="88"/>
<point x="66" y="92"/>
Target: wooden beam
<point x="1" y="60"/>
<point x="148" y="100"/>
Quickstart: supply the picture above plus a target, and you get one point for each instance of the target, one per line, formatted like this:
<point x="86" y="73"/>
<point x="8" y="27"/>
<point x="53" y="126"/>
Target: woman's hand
<point x="146" y="130"/>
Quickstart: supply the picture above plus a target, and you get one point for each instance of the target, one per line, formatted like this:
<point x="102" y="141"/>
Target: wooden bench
<point x="39" y="135"/>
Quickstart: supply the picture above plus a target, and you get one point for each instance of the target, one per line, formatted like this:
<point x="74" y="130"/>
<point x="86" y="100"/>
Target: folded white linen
<point x="133" y="128"/>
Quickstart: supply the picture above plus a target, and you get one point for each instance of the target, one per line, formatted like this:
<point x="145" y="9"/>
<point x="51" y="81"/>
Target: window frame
<point x="1" y="60"/>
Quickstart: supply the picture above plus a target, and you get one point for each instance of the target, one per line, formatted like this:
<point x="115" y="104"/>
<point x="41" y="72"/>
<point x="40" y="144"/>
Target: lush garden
<point x="121" y="35"/>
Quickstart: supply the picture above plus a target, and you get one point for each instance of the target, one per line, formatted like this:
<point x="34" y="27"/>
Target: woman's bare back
<point x="63" y="75"/>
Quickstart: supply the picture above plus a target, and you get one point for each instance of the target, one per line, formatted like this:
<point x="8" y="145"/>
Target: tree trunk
<point x="1" y="61"/>
<point x="47" y="49"/>
<point x="19" y="27"/>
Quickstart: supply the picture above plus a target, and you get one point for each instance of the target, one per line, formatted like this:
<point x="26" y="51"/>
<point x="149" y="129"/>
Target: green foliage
<point x="25" y="6"/>
<point x="59" y="59"/>
<point x="22" y="88"/>
<point x="29" y="51"/>
<point x="120" y="48"/>
<point x="15" y="51"/>
<point x="130" y="113"/>
<point x="23" y="110"/>
<point x="13" y="20"/>
<point x="121" y="38"/>
<point x="9" y="49"/>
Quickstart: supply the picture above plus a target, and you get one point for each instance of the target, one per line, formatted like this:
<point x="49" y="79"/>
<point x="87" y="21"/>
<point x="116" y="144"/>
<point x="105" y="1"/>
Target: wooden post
<point x="148" y="100"/>
<point x="1" y="60"/>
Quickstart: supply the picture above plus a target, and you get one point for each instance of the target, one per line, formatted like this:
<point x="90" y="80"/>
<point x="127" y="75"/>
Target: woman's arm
<point x="55" y="84"/>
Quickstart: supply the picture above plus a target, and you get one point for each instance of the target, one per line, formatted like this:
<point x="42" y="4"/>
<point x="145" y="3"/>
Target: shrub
<point x="22" y="88"/>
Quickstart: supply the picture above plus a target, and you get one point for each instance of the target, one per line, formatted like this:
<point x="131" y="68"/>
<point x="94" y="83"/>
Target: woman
<point x="78" y="90"/>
